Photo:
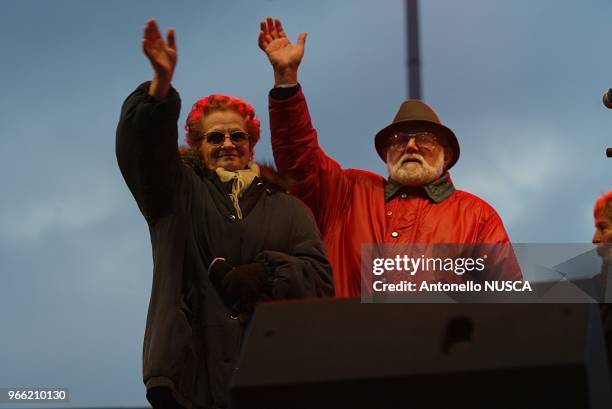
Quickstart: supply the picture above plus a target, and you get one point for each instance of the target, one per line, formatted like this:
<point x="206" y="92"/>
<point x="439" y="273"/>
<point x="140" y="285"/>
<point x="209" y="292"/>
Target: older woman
<point x="223" y="235"/>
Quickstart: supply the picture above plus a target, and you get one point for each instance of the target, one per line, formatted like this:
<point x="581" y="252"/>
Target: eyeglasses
<point x="238" y="138"/>
<point x="424" y="140"/>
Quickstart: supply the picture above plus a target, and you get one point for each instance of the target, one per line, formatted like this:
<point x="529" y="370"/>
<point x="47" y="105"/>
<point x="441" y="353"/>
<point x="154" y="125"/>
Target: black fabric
<point x="217" y="272"/>
<point x="606" y="318"/>
<point x="606" y="309"/>
<point x="247" y="200"/>
<point x="192" y="338"/>
<point x="281" y="93"/>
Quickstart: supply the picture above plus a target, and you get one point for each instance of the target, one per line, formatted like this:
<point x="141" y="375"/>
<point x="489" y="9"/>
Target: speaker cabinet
<point x="340" y="353"/>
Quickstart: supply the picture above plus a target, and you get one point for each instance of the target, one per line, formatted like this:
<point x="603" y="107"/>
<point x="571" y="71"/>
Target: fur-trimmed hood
<point x="193" y="158"/>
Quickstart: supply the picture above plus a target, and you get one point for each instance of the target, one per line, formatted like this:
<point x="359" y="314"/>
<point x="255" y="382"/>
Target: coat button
<point x="389" y="213"/>
<point x="394" y="234"/>
<point x="404" y="195"/>
<point x="232" y="217"/>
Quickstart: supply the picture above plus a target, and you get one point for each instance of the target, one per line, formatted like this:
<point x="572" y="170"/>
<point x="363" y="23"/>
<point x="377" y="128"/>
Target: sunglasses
<point x="424" y="140"/>
<point x="238" y="138"/>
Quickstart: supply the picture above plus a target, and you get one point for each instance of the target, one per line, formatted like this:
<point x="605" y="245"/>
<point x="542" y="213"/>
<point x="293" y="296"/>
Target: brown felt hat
<point x="414" y="114"/>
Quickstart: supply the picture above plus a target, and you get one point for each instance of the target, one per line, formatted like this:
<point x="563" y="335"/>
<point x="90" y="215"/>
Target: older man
<point x="416" y="204"/>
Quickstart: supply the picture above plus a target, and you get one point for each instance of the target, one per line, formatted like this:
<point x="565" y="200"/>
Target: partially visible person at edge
<point x="602" y="214"/>
<point x="224" y="235"/>
<point x="418" y="203"/>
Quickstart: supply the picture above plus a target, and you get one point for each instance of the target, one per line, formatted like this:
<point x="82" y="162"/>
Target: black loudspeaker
<point x="340" y="353"/>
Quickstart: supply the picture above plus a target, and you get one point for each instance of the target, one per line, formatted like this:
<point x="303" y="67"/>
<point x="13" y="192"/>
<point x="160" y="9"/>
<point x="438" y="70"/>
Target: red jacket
<point x="350" y="207"/>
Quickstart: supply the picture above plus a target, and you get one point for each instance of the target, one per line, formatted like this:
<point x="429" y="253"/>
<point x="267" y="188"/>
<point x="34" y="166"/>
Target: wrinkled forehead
<point x="221" y="120"/>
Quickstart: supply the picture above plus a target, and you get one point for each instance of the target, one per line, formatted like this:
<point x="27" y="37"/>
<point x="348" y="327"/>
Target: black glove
<point x="246" y="283"/>
<point x="161" y="397"/>
<point x="243" y="284"/>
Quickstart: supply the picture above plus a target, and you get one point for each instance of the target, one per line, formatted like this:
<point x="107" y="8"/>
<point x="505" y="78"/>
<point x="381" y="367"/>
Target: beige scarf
<point x="242" y="179"/>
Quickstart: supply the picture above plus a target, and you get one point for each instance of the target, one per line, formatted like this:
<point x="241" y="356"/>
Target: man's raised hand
<point x="284" y="56"/>
<point x="162" y="55"/>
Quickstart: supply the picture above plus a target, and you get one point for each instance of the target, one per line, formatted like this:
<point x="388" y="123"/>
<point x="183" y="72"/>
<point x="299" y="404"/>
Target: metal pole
<point x="414" y="57"/>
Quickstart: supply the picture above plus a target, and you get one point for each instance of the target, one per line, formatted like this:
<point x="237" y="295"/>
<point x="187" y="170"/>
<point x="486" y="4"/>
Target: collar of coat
<point x="437" y="191"/>
<point x="193" y="158"/>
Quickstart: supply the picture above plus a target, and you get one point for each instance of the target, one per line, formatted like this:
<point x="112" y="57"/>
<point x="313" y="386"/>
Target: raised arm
<point x="146" y="144"/>
<point x="162" y="55"/>
<point x="319" y="180"/>
<point x="284" y="56"/>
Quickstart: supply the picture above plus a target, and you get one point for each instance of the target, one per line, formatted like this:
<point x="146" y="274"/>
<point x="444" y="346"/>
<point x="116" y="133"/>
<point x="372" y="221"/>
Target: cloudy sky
<point x="519" y="81"/>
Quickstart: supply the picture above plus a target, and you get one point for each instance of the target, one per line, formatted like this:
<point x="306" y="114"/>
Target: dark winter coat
<point x="192" y="338"/>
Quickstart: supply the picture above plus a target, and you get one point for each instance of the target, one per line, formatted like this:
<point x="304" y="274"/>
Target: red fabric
<point x="349" y="204"/>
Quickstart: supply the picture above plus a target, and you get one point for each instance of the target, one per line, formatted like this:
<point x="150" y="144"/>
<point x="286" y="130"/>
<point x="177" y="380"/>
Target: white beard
<point x="415" y="173"/>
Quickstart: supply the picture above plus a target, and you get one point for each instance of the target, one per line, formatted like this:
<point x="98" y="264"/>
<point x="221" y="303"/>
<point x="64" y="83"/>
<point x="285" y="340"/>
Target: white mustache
<point x="408" y="156"/>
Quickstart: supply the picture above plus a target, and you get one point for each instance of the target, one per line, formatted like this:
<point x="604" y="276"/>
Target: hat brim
<point x="415" y="124"/>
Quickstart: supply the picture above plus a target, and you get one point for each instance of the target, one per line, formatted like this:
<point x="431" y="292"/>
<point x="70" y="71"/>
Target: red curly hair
<point x="604" y="204"/>
<point x="218" y="102"/>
